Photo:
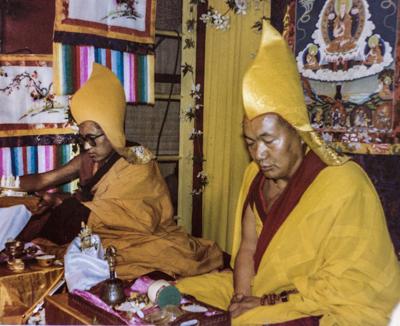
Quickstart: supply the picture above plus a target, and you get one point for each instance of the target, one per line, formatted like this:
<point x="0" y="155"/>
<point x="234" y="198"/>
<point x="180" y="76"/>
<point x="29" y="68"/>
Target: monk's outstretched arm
<point x="43" y="181"/>
<point x="46" y="180"/>
<point x="244" y="264"/>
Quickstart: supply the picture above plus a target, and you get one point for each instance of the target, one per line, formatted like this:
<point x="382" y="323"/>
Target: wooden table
<point x="59" y="312"/>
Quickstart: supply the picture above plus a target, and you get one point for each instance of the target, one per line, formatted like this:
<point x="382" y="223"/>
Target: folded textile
<point x="87" y="267"/>
<point x="12" y="220"/>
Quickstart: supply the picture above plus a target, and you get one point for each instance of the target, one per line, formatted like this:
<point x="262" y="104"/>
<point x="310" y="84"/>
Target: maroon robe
<point x="280" y="210"/>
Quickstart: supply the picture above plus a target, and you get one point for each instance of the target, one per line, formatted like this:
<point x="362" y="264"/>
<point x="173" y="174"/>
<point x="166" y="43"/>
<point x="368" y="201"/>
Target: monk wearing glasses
<point x="122" y="195"/>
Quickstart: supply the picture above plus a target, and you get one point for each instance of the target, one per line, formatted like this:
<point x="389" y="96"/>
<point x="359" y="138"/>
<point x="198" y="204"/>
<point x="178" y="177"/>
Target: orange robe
<point x="132" y="211"/>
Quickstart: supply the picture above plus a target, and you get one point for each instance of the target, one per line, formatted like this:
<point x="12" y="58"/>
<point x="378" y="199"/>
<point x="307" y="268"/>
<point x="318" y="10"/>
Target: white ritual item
<point x="10" y="186"/>
<point x="163" y="293"/>
<point x="85" y="267"/>
<point x="12" y="220"/>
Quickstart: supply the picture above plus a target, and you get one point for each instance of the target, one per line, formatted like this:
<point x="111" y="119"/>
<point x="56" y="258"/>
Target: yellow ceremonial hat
<point x="272" y="85"/>
<point x="102" y="100"/>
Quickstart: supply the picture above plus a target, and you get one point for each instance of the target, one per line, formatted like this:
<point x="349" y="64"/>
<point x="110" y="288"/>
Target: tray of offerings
<point x="189" y="312"/>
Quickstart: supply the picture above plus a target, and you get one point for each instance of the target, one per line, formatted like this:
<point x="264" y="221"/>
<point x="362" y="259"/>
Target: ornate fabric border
<point x="38" y="140"/>
<point x="132" y="21"/>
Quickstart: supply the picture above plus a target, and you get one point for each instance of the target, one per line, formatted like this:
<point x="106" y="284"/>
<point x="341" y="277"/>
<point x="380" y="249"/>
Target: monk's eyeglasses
<point x="90" y="139"/>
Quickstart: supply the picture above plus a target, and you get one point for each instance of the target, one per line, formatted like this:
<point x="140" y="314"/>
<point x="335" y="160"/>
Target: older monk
<point x="310" y="245"/>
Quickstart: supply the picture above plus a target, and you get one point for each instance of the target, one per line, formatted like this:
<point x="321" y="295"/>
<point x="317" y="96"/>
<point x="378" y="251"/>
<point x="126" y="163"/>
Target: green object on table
<point x="168" y="295"/>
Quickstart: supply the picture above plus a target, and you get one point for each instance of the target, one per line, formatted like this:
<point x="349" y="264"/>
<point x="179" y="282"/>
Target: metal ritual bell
<point x="113" y="291"/>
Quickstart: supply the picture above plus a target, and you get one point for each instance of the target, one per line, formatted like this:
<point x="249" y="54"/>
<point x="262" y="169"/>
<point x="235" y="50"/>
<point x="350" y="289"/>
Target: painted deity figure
<point x="336" y="118"/>
<point x="375" y="53"/>
<point x="361" y="118"/>
<point x="382" y="118"/>
<point x="318" y="118"/>
<point x="385" y="91"/>
<point x="311" y="58"/>
<point x="343" y="40"/>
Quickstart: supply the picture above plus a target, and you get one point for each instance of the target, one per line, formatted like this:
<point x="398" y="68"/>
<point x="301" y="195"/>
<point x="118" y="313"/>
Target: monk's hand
<point x="47" y="201"/>
<point x="241" y="303"/>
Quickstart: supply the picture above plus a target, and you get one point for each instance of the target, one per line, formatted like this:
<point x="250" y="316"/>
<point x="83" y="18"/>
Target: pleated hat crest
<point x="102" y="100"/>
<point x="272" y="85"/>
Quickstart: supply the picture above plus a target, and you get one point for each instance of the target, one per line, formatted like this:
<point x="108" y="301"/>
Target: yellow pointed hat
<point x="102" y="100"/>
<point x="272" y="85"/>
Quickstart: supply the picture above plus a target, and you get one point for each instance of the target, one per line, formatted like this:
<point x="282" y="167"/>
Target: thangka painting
<point x="119" y="34"/>
<point x="28" y="105"/>
<point x="346" y="53"/>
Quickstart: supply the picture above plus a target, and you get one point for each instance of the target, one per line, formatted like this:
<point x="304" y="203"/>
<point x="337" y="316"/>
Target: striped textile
<point x="73" y="65"/>
<point x="19" y="161"/>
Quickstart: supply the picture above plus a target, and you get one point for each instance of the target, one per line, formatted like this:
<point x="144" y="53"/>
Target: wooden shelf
<point x="168" y="158"/>
<point x="169" y="34"/>
<point x="165" y="97"/>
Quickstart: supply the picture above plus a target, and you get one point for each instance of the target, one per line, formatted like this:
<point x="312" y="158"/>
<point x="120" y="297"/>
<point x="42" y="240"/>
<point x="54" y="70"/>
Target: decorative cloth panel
<point x="117" y="34"/>
<point x="33" y="121"/>
<point x="74" y="66"/>
<point x="28" y="105"/>
<point x="18" y="161"/>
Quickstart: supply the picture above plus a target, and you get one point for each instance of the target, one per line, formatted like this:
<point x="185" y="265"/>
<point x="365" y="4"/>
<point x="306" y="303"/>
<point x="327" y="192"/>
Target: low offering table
<point x="84" y="307"/>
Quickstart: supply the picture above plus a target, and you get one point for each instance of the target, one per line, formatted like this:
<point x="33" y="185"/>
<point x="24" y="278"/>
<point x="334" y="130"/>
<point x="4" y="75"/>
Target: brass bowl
<point x="45" y="260"/>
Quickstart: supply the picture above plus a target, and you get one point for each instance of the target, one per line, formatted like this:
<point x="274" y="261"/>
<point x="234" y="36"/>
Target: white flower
<point x="205" y="18"/>
<point x="197" y="191"/>
<point x="202" y="174"/>
<point x="195" y="133"/>
<point x="222" y="23"/>
<point x="241" y="7"/>
<point x="195" y="91"/>
<point x="217" y="18"/>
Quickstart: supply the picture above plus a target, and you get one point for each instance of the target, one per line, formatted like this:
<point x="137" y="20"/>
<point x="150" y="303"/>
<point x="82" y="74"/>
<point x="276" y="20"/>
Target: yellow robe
<point x="334" y="248"/>
<point x="132" y="211"/>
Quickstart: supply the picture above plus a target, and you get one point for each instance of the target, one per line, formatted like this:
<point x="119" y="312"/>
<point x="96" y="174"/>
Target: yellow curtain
<point x="228" y="54"/>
